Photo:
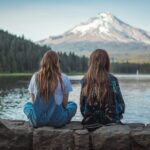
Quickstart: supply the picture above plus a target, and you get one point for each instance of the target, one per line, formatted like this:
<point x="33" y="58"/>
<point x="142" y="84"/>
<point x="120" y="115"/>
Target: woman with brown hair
<point x="49" y="89"/>
<point x="101" y="101"/>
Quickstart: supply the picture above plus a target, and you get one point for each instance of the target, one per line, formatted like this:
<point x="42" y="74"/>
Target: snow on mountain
<point x="100" y="24"/>
<point x="105" y="27"/>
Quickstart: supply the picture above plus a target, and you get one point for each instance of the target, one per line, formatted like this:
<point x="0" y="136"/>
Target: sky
<point x="39" y="19"/>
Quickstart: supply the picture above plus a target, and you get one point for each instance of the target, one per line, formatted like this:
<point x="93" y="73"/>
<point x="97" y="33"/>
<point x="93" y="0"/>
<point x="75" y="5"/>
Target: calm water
<point x="135" y="90"/>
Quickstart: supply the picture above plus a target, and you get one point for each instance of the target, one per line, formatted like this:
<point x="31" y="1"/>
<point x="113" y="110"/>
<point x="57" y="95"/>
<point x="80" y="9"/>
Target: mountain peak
<point x="105" y="14"/>
<point x="96" y="25"/>
<point x="104" y="27"/>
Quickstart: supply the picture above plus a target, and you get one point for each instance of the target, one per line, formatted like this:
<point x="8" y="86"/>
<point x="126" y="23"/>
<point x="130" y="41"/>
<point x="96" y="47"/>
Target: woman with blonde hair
<point x="101" y="101"/>
<point x="50" y="89"/>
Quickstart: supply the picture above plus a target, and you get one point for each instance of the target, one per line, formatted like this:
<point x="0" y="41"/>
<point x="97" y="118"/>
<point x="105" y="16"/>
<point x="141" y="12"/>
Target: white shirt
<point x="58" y="95"/>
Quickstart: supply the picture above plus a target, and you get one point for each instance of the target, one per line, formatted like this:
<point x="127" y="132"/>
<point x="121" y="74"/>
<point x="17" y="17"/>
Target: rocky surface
<point x="48" y="138"/>
<point x="117" y="137"/>
<point x="18" y="135"/>
<point x="15" y="135"/>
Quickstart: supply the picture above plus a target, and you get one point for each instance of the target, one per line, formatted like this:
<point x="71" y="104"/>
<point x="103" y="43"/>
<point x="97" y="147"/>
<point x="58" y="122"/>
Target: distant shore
<point x="70" y="74"/>
<point x="30" y="74"/>
<point x="15" y="74"/>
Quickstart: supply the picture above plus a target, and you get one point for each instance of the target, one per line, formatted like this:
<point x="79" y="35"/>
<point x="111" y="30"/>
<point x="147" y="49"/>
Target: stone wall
<point x="17" y="135"/>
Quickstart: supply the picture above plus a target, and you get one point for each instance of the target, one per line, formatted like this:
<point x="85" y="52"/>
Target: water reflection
<point x="11" y="103"/>
<point x="136" y="93"/>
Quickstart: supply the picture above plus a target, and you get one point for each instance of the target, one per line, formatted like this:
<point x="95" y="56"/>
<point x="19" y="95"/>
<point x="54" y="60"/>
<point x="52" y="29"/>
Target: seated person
<point x="101" y="101"/>
<point x="50" y="90"/>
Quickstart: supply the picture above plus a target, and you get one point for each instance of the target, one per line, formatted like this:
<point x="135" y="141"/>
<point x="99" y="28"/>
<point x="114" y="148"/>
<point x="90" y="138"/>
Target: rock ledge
<point x="17" y="135"/>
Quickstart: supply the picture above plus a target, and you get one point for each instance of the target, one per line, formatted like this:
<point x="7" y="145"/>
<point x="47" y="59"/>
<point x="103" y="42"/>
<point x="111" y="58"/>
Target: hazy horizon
<point x="39" y="19"/>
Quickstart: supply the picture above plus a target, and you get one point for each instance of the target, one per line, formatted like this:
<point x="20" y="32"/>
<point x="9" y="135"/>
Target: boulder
<point x="114" y="137"/>
<point x="141" y="139"/>
<point x="49" y="138"/>
<point x="15" y="135"/>
<point x="81" y="140"/>
<point x="74" y="125"/>
<point x="18" y="135"/>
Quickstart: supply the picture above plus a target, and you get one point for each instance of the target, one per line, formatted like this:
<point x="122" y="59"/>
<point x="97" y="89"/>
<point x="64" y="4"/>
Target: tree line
<point x="130" y="68"/>
<point x="20" y="55"/>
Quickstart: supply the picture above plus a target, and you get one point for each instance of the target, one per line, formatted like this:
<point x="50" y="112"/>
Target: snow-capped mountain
<point x="103" y="28"/>
<point x="122" y="41"/>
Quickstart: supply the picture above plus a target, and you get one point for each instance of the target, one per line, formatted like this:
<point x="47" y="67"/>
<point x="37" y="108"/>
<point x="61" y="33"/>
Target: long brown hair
<point x="48" y="75"/>
<point x="96" y="77"/>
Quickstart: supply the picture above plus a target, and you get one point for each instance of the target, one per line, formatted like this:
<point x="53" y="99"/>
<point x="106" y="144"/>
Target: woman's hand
<point x="65" y="100"/>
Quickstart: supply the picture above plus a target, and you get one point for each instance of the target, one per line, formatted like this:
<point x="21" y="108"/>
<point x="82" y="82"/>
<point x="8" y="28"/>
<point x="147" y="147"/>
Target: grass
<point x="75" y="73"/>
<point x="15" y="74"/>
<point x="30" y="74"/>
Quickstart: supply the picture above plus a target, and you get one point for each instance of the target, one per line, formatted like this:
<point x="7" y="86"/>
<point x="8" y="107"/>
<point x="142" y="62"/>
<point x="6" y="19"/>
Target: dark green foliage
<point x="72" y="62"/>
<point x="20" y="55"/>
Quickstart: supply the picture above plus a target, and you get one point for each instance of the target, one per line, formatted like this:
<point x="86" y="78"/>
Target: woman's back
<point x="104" y="112"/>
<point x="50" y="90"/>
<point x="44" y="109"/>
<point x="101" y="99"/>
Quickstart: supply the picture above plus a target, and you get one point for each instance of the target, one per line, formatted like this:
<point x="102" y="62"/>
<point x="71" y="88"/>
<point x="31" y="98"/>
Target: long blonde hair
<point x="48" y="75"/>
<point x="96" y="77"/>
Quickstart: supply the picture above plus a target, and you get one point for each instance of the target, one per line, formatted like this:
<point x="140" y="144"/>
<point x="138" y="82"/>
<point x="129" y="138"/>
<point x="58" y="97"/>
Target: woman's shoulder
<point x="64" y="76"/>
<point x="67" y="83"/>
<point x="112" y="77"/>
<point x="33" y="78"/>
<point x="34" y="74"/>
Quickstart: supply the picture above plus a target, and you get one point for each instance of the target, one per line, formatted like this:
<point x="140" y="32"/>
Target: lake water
<point x="135" y="90"/>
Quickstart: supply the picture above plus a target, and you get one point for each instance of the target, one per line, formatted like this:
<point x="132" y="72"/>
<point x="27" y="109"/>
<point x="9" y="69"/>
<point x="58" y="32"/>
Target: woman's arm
<point x="67" y="87"/>
<point x="33" y="97"/>
<point x="120" y="97"/>
<point x="65" y="100"/>
<point x="82" y="104"/>
<point x="82" y="100"/>
<point x="32" y="88"/>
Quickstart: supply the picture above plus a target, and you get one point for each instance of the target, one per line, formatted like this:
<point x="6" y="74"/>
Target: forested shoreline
<point x="130" y="68"/>
<point x="20" y="55"/>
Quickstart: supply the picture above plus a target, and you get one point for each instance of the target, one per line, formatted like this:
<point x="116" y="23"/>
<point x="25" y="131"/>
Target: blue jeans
<point x="30" y="113"/>
<point x="57" y="118"/>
